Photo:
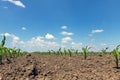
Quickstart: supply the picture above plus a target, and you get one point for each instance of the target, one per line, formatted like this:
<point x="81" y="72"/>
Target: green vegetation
<point x="3" y="41"/>
<point x="85" y="51"/>
<point x="104" y="50"/>
<point x="60" y="51"/>
<point x="116" y="55"/>
<point x="8" y="52"/>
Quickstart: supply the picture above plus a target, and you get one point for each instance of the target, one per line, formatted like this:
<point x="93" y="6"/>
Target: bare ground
<point x="58" y="67"/>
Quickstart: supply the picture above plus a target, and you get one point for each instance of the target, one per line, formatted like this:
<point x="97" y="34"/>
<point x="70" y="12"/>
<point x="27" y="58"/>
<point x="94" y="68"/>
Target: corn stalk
<point x="85" y="51"/>
<point x="3" y="41"/>
<point x="2" y="48"/>
<point x="116" y="55"/>
<point x="104" y="50"/>
<point x="8" y="52"/>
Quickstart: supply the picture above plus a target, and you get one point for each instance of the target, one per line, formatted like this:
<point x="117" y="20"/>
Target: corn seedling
<point x="53" y="52"/>
<point x="70" y="52"/>
<point x="104" y="50"/>
<point x="8" y="52"/>
<point x="3" y="41"/>
<point x="2" y="49"/>
<point x="49" y="52"/>
<point x="116" y="55"/>
<point x="59" y="51"/>
<point x="76" y="52"/>
<point x="85" y="51"/>
<point x="65" y="51"/>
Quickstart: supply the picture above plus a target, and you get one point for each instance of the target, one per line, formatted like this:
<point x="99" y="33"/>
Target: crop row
<point x="9" y="52"/>
<point x="13" y="52"/>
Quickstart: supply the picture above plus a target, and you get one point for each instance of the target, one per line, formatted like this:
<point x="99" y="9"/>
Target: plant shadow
<point x="116" y="67"/>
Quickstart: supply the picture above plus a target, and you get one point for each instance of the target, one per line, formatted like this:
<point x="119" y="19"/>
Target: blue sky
<point x="40" y="25"/>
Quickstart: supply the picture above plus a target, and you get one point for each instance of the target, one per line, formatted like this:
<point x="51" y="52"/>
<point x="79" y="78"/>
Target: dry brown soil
<point x="58" y="67"/>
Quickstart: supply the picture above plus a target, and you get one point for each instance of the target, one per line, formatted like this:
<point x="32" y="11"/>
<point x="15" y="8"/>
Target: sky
<point x="42" y="25"/>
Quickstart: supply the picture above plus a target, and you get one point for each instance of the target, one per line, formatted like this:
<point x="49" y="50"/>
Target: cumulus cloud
<point x="67" y="33"/>
<point x="66" y="39"/>
<point x="77" y="46"/>
<point x="39" y="44"/>
<point x="49" y="36"/>
<point x="24" y="28"/>
<point x="15" y="39"/>
<point x="64" y="27"/>
<point x="16" y="2"/>
<point x="97" y="31"/>
<point x="11" y="35"/>
<point x="36" y="41"/>
<point x="6" y="34"/>
<point x="34" y="44"/>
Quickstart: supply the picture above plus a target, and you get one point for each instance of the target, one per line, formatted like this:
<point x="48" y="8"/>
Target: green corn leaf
<point x="3" y="41"/>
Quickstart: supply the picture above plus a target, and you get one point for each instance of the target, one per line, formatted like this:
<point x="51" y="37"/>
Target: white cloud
<point x="97" y="31"/>
<point x="11" y="35"/>
<point x="36" y="41"/>
<point x="6" y="34"/>
<point x="15" y="39"/>
<point x="77" y="46"/>
<point x="34" y="44"/>
<point x="73" y="43"/>
<point x="23" y="28"/>
<point x="67" y="33"/>
<point x="49" y="36"/>
<point x="38" y="44"/>
<point x="66" y="39"/>
<point x="16" y="2"/>
<point x="64" y="27"/>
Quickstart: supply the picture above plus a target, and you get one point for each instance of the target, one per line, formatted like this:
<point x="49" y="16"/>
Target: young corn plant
<point x="2" y="48"/>
<point x="116" y="55"/>
<point x="53" y="52"/>
<point x="3" y="41"/>
<point x="76" y="51"/>
<point x="104" y="50"/>
<point x="1" y="55"/>
<point x="59" y="52"/>
<point x="49" y="52"/>
<point x="65" y="51"/>
<point x="70" y="52"/>
<point x="8" y="52"/>
<point x="85" y="51"/>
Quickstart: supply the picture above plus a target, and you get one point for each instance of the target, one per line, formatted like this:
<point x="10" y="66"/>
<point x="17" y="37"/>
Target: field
<point x="60" y="67"/>
<point x="63" y="64"/>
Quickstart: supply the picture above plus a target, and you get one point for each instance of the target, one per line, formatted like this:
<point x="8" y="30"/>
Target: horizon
<point x="44" y="25"/>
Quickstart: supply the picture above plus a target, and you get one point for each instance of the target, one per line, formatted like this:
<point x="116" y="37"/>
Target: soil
<point x="60" y="67"/>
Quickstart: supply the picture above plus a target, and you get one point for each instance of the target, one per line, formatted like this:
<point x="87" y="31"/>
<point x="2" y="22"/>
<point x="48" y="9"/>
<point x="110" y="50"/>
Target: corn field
<point x="9" y="52"/>
<point x="6" y="52"/>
